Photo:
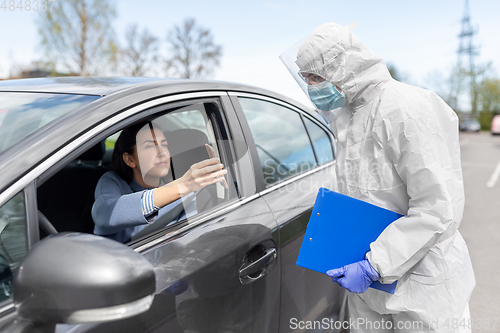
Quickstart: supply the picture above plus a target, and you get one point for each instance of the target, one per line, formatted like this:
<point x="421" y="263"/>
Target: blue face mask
<point x="325" y="96"/>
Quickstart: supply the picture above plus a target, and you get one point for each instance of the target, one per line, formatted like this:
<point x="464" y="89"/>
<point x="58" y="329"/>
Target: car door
<point x="217" y="270"/>
<point x="295" y="158"/>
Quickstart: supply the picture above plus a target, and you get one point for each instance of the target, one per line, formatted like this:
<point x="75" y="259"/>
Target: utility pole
<point x="466" y="53"/>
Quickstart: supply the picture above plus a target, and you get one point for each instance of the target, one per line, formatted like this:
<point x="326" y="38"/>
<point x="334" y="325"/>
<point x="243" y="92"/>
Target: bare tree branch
<point x="78" y="33"/>
<point x="194" y="53"/>
<point x="140" y="53"/>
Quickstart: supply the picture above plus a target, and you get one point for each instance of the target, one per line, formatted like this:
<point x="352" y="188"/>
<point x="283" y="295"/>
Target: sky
<point x="418" y="37"/>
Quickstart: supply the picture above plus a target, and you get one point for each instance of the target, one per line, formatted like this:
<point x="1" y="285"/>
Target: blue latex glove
<point x="355" y="277"/>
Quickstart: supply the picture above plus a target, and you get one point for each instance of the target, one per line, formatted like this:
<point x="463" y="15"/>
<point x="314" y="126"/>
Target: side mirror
<point x="81" y="278"/>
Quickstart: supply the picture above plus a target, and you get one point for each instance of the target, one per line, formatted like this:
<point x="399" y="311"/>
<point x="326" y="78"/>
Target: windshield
<point x="24" y="113"/>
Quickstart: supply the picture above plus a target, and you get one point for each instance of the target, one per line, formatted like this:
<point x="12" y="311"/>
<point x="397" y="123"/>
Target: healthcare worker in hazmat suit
<point x="397" y="148"/>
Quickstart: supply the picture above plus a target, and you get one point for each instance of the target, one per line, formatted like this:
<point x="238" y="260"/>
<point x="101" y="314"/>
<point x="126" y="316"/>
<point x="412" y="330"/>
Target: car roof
<point x="105" y="86"/>
<point x="98" y="86"/>
<point x="28" y="153"/>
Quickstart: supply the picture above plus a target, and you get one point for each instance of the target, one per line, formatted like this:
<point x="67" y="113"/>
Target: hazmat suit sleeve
<point x="420" y="135"/>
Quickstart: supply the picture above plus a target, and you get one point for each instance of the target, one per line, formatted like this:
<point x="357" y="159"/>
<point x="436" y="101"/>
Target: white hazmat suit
<point x="398" y="148"/>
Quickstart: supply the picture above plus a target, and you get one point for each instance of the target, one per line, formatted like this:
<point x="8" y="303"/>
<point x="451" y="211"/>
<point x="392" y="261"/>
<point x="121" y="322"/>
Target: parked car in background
<point x="470" y="125"/>
<point x="495" y="125"/>
<point x="229" y="268"/>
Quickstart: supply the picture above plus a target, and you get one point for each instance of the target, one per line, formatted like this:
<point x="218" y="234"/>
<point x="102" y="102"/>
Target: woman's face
<point x="152" y="158"/>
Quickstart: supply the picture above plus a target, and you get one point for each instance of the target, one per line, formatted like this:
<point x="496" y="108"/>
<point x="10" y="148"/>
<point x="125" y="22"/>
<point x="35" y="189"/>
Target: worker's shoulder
<point x="401" y="100"/>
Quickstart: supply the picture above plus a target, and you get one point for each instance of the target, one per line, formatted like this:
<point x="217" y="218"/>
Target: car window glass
<point x="13" y="242"/>
<point x="321" y="142"/>
<point x="75" y="198"/>
<point x="23" y="113"/>
<point x="187" y="119"/>
<point x="195" y="119"/>
<point x="110" y="141"/>
<point x="281" y="140"/>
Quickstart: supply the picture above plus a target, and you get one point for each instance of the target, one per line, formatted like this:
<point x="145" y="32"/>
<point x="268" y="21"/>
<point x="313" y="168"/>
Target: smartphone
<point x="211" y="154"/>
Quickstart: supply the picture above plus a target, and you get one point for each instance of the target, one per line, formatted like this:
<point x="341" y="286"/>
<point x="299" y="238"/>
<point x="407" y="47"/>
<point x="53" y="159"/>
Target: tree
<point x="34" y="69"/>
<point x="194" y="54"/>
<point x="79" y="34"/>
<point x="141" y="52"/>
<point x="396" y="73"/>
<point x="479" y="100"/>
<point x="450" y="87"/>
<point x="489" y="101"/>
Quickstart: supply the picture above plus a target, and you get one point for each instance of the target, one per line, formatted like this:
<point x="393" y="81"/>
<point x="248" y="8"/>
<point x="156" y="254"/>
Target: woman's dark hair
<point x="125" y="144"/>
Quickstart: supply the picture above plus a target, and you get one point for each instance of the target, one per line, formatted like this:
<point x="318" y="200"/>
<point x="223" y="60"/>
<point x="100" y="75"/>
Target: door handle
<point x="253" y="267"/>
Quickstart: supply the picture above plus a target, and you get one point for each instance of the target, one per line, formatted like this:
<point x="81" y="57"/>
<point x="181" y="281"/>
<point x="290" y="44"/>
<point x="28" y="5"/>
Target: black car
<point x="228" y="268"/>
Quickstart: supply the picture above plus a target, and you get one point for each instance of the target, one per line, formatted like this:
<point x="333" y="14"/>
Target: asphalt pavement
<point x="481" y="225"/>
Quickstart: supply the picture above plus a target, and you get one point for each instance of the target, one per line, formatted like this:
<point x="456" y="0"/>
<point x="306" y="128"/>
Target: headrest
<point x="182" y="140"/>
<point x="186" y="147"/>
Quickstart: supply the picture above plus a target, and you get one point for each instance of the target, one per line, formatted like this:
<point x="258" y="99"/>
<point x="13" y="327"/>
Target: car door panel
<point x="306" y="295"/>
<point x="198" y="283"/>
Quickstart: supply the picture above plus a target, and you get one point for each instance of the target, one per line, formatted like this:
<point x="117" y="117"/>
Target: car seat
<point x="187" y="147"/>
<point x="66" y="199"/>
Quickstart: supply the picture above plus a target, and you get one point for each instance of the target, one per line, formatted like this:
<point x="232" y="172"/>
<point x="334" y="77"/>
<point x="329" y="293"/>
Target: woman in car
<point x="140" y="189"/>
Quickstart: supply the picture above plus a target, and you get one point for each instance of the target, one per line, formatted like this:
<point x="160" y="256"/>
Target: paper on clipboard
<point x="340" y="232"/>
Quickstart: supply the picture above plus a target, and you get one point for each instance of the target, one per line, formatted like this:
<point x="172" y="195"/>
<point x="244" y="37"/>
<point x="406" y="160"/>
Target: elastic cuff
<point x="372" y="273"/>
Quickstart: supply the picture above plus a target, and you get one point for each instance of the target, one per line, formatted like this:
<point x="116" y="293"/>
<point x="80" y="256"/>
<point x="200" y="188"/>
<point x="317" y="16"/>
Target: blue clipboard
<point x="340" y="232"/>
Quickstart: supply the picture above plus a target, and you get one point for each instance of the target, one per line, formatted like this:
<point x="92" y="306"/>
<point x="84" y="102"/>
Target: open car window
<point x="191" y="133"/>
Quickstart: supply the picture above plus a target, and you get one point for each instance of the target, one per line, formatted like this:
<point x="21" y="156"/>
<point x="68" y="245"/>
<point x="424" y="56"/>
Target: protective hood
<point x="334" y="53"/>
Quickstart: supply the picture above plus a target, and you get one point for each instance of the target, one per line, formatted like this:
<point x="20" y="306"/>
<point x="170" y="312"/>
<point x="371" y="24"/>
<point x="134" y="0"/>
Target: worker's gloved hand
<point x="355" y="277"/>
